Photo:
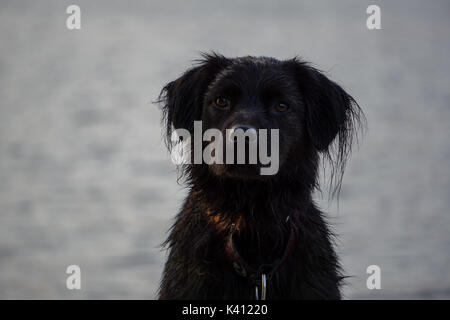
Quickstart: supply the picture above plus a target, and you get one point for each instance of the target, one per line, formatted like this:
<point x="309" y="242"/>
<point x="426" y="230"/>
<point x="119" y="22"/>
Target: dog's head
<point x="252" y="93"/>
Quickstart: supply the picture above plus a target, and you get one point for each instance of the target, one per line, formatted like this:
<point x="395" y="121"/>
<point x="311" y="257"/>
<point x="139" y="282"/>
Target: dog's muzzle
<point x="250" y="132"/>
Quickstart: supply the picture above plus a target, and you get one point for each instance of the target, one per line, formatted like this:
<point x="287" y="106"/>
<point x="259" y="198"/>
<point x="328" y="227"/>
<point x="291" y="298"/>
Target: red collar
<point x="243" y="269"/>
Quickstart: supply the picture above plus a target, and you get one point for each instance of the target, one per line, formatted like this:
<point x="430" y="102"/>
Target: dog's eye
<point x="222" y="102"/>
<point x="281" y="107"/>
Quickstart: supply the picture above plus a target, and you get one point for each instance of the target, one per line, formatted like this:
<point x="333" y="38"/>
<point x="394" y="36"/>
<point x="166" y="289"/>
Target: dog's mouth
<point x="246" y="165"/>
<point x="239" y="171"/>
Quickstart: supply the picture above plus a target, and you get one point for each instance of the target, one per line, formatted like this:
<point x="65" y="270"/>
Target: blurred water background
<point x="85" y="178"/>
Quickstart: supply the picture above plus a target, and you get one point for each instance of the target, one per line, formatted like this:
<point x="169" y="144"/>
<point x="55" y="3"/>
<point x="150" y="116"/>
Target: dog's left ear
<point x="182" y="99"/>
<point x="329" y="109"/>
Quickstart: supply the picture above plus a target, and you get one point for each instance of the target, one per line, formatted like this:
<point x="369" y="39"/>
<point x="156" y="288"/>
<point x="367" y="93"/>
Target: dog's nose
<point x="247" y="130"/>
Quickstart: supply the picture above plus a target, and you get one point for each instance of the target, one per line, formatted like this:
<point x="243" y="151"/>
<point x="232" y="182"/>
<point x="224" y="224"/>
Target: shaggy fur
<point x="320" y="123"/>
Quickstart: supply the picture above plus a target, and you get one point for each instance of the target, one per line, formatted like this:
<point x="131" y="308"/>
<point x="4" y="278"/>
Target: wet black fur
<point x="320" y="124"/>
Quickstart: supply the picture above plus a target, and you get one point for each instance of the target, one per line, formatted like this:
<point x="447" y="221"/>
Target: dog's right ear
<point x="182" y="98"/>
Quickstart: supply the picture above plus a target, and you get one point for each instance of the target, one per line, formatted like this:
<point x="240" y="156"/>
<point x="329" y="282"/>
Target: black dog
<point x="240" y="234"/>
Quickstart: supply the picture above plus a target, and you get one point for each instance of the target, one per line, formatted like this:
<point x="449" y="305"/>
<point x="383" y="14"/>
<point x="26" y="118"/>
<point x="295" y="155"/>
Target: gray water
<point x="85" y="178"/>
